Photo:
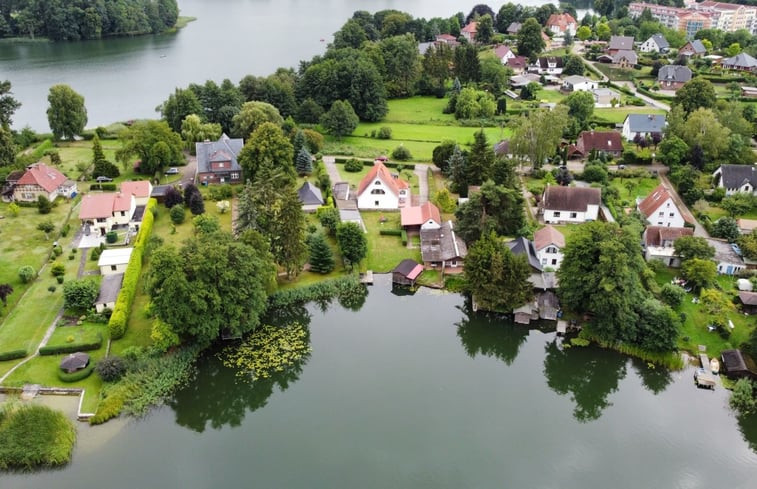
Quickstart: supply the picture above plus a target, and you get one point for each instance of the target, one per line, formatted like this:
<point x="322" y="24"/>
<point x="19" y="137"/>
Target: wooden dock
<point x="703" y="377"/>
<point x="367" y="277"/>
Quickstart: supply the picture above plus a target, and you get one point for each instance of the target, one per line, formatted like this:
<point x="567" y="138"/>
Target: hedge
<point x="404" y="237"/>
<point x="388" y="164"/>
<point x="103" y="186"/>
<point x="390" y="232"/>
<point x="120" y="316"/>
<point x="78" y="375"/>
<point x="12" y="355"/>
<point x="71" y="347"/>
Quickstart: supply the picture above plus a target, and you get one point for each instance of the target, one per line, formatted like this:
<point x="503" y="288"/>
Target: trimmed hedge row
<point x="390" y="232"/>
<point x="388" y="164"/>
<point x="71" y="347"/>
<point x="120" y="316"/>
<point x="403" y="234"/>
<point x="103" y="186"/>
<point x="12" y="355"/>
<point x="78" y="375"/>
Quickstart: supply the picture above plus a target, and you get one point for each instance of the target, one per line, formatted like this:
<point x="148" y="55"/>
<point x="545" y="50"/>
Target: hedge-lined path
<point x="330" y="163"/>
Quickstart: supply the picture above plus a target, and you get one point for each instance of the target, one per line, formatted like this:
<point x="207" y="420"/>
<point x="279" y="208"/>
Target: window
<point x="376" y="203"/>
<point x="557" y="213"/>
<point x="113" y="267"/>
<point x="659" y="223"/>
<point x="554" y="261"/>
<point x="573" y="215"/>
<point x="377" y="182"/>
<point x="667" y="205"/>
<point x="235" y="176"/>
<point x="552" y="249"/>
<point x="123" y="213"/>
<point x="453" y="263"/>
<point x="101" y="219"/>
<point x="672" y="215"/>
<point x="661" y="214"/>
<point x="543" y="261"/>
<point x="378" y="191"/>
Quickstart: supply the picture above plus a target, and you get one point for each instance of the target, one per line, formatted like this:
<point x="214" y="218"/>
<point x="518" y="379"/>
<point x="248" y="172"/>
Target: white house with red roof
<point x="416" y="218"/>
<point x="549" y="243"/>
<point x="380" y="190"/>
<point x="100" y="213"/>
<point x="40" y="179"/>
<point x="469" y="31"/>
<point x="504" y="53"/>
<point x="141" y="190"/>
<point x="561" y="24"/>
<point x="659" y="209"/>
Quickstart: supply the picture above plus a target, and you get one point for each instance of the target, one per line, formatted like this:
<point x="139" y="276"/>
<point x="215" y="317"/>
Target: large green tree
<point x="352" y="243"/>
<point x="321" y="256"/>
<point x="402" y="65"/>
<point x="530" y="42"/>
<point x="7" y="147"/>
<point x="485" y="30"/>
<point x="66" y="114"/>
<point x="154" y="143"/>
<point x="341" y="119"/>
<point x="436" y="67"/>
<point x="537" y="134"/>
<point x="696" y="93"/>
<point x="467" y="66"/>
<point x="493" y="208"/>
<point x="8" y="104"/>
<point x="251" y="116"/>
<point x="580" y="109"/>
<point x="193" y="130"/>
<point x="267" y="147"/>
<point x="496" y="279"/>
<point x="181" y="103"/>
<point x="480" y="160"/>
<point x="688" y="247"/>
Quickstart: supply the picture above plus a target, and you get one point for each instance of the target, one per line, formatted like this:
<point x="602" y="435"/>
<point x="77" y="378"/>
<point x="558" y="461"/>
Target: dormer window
<point x="377" y="182"/>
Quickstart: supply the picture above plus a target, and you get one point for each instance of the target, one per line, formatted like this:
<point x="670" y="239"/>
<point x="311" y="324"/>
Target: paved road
<point x="188" y="171"/>
<point x="421" y="169"/>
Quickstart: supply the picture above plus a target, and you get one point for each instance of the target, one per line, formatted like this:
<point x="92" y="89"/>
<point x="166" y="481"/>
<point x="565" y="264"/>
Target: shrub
<point x="26" y="274"/>
<point x="384" y="132"/>
<point x="401" y="153"/>
<point x="221" y="192"/>
<point x="76" y="376"/>
<point x="52" y="289"/>
<point x="390" y="232"/>
<point x="111" y="237"/>
<point x="71" y="347"/>
<point x="65" y="230"/>
<point x="177" y="214"/>
<point x="80" y="294"/>
<point x="34" y="436"/>
<point x="58" y="270"/>
<point x="12" y="355"/>
<point x="60" y="279"/>
<point x="403" y="235"/>
<point x="329" y="219"/>
<point x="353" y="165"/>
<point x="44" y="206"/>
<point x="111" y="369"/>
<point x="672" y="295"/>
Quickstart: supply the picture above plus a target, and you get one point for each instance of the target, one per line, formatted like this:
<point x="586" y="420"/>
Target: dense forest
<point x="73" y="20"/>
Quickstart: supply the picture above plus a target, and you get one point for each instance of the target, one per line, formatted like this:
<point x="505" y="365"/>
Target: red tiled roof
<point x="446" y="37"/>
<point x="472" y="28"/>
<point x="382" y="173"/>
<point x="417" y="215"/>
<point x="94" y="206"/>
<point x="547" y="236"/>
<point x="561" y="20"/>
<point x="599" y="140"/>
<point x="40" y="174"/>
<point x="517" y="62"/>
<point x="501" y="51"/>
<point x="656" y="235"/>
<point x="654" y="200"/>
<point x="137" y="189"/>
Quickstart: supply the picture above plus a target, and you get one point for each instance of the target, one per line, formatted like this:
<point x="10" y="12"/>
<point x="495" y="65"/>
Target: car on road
<point x="172" y="171"/>
<point x="103" y="178"/>
<point x="621" y="167"/>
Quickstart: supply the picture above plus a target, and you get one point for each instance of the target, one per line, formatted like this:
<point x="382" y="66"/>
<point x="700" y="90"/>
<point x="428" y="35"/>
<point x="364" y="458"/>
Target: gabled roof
<point x="646" y="123"/>
<point x="445" y="37"/>
<point x="381" y="172"/>
<point x="544" y="62"/>
<point x="517" y="62"/>
<point x="514" y="27"/>
<point x="309" y="194"/>
<point x="525" y="247"/>
<point x="442" y="244"/>
<point x="546" y="236"/>
<point x="695" y="45"/>
<point x="471" y="28"/>
<point x="409" y="269"/>
<point x="655" y="199"/>
<point x="630" y="56"/>
<point x="501" y="51"/>
<point x="110" y="286"/>
<point x="225" y="149"/>
<point x="94" y="206"/>
<point x="561" y="21"/>
<point x="660" y="40"/>
<point x="674" y="73"/>
<point x="138" y="189"/>
<point x="417" y="215"/>
<point x="502" y="148"/>
<point x="748" y="298"/>
<point x="40" y="174"/>
<point x="733" y="361"/>
<point x="621" y="42"/>
<point x="599" y="140"/>
<point x="741" y="60"/>
<point x="734" y="176"/>
<point x="657" y="235"/>
<point x="576" y="199"/>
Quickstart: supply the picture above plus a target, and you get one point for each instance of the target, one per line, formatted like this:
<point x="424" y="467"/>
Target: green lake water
<point x="415" y="392"/>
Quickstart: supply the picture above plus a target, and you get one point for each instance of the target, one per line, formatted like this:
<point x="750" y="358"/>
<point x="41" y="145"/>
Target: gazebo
<point x="75" y="361"/>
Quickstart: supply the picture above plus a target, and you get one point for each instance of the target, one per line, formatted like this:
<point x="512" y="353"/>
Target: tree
<point x="351" y="35"/>
<point x="457" y="169"/>
<point x="194" y="131"/>
<point x="143" y="140"/>
<point x="252" y="115"/>
<point x="213" y="283"/>
<point x="573" y="66"/>
<point x="748" y="245"/>
<point x="80" y="294"/>
<point x="696" y="93"/>
<point x="66" y="114"/>
<point x="26" y="274"/>
<point x="206" y="224"/>
<point x="329" y="219"/>
<point x="309" y="112"/>
<point x="508" y="13"/>
<point x="537" y="134"/>
<point x="699" y="273"/>
<point x="485" y="30"/>
<point x="726" y="228"/>
<point x="442" y="154"/>
<point x="580" y="107"/>
<point x="494" y="208"/>
<point x="479" y="11"/>
<point x="401" y="65"/>
<point x="703" y="128"/>
<point x="173" y="197"/>
<point x="467" y="67"/>
<point x="673" y="295"/>
<point x="196" y="204"/>
<point x="7" y="147"/>
<point x="177" y="214"/>
<point x="8" y="104"/>
<point x="111" y="368"/>
<point x="496" y="279"/>
<point x="689" y="247"/>
<point x="436" y="67"/>
<point x="340" y="120"/>
<point x="474" y="104"/>
<point x="102" y="167"/>
<point x="603" y="31"/>
<point x="673" y="151"/>
<point x="180" y="104"/>
<point x="321" y="256"/>
<point x="480" y="160"/>
<point x="530" y="42"/>
<point x="495" y="77"/>
<point x="657" y="329"/>
<point x="267" y="148"/>
<point x="288" y="235"/>
<point x="304" y="162"/>
<point x="352" y="242"/>
<point x="733" y="49"/>
<point x="583" y="33"/>
<point x="44" y="206"/>
<point x="737" y="204"/>
<point x="5" y="291"/>
<point x="742" y="398"/>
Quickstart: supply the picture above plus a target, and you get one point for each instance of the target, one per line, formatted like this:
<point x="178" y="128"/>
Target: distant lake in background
<point x="126" y="78"/>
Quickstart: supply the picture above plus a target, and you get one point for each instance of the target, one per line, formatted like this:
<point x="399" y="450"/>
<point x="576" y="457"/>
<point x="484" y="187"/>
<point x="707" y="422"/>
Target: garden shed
<point x="407" y="272"/>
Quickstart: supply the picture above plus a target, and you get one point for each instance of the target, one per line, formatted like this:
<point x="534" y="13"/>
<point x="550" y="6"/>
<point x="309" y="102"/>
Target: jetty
<point x="367" y="277"/>
<point x="703" y="376"/>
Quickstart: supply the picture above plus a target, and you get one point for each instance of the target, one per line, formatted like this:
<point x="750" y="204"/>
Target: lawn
<point x="566" y="229"/>
<point x="615" y="73"/>
<point x="695" y="332"/>
<point x="418" y="109"/>
<point x="618" y="114"/>
<point x="549" y="96"/>
<point x="628" y="193"/>
<point x="385" y="252"/>
<point x="85" y="333"/>
<point x="715" y="212"/>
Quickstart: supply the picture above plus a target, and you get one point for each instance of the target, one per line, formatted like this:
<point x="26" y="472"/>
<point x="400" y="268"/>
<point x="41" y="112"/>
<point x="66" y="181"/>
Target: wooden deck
<point x="367" y="277"/>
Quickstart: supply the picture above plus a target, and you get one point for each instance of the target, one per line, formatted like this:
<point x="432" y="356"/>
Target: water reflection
<point x="589" y="374"/>
<point x="748" y="428"/>
<point x="655" y="379"/>
<point x="490" y="335"/>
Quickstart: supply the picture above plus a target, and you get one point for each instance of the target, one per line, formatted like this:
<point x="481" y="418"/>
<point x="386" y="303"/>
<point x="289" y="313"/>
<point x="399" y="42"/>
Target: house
<point x="741" y="62"/>
<point x="748" y="301"/>
<point x="746" y="226"/>
<point x="660" y="209"/>
<point x="469" y="32"/>
<point x="549" y="243"/>
<point x="604" y="97"/>
<point x="502" y="148"/>
<point x="544" y="306"/>
<point x="518" y="64"/>
<point x="503" y="53"/>
<point x="447" y="39"/>
<point x="519" y="81"/>
<point x="734" y="364"/>
<point x="407" y="272"/>
<point x="110" y="286"/>
<point x="547" y="65"/>
<point x="620" y="43"/>
<point x="561" y="24"/>
<point x="570" y="204"/>
<point x="379" y="189"/>
<point x="10" y="184"/>
<point x="673" y="77"/>
<point x="655" y="44"/>
<point x="114" y="260"/>
<point x="693" y="48"/>
<point x="141" y="190"/>
<point x="310" y="196"/>
<point x="577" y="83"/>
<point x="727" y="261"/>
<point x="217" y="161"/>
<point x="442" y="248"/>
<point x="416" y="218"/>
<point x="623" y="58"/>
<point x="159" y="193"/>
<point x="736" y="179"/>
<point x="514" y="28"/>
<point x="642" y="124"/>
<point x="658" y="243"/>
<point x="608" y="142"/>
<point x="40" y="179"/>
<point x="103" y="212"/>
<point x="525" y="247"/>
<point x="749" y="92"/>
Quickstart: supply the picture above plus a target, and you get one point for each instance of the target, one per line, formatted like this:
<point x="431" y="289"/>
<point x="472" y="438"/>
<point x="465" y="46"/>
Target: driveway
<point x="188" y="171"/>
<point x="421" y="170"/>
<point x="330" y="163"/>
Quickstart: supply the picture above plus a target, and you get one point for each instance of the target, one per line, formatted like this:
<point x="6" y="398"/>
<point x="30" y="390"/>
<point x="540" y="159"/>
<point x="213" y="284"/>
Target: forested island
<point x="74" y="20"/>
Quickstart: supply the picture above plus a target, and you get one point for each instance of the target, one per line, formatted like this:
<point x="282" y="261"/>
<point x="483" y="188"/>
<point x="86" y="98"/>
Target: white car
<point x="172" y="171"/>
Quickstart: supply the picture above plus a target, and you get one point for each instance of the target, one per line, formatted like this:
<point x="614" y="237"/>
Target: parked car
<point x="621" y="167"/>
<point x="103" y="178"/>
<point x="172" y="171"/>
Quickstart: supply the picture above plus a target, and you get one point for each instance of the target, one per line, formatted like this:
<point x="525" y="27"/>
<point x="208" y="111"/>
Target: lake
<point x="416" y="392"/>
<point x="126" y="78"/>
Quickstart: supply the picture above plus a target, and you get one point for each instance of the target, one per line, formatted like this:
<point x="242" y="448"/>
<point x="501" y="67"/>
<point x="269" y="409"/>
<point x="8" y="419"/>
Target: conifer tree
<point x="321" y="256"/>
<point x="303" y="162"/>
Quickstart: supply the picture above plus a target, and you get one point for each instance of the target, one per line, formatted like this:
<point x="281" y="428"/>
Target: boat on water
<point x="715" y="366"/>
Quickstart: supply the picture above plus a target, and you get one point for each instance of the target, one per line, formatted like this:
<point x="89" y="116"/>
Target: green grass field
<point x="641" y="187"/>
<point x="385" y="252"/>
<point x="618" y="114"/>
<point x="86" y="333"/>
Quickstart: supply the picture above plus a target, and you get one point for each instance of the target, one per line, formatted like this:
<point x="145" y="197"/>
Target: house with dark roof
<point x="735" y="365"/>
<point x="217" y="161"/>
<point x="623" y="58"/>
<point x="442" y="249"/>
<point x="424" y="216"/>
<point x="748" y="301"/>
<point x="407" y="272"/>
<point x="673" y="77"/>
<point x="503" y="53"/>
<point x="736" y="179"/>
<point x="310" y="196"/>
<point x="110" y="286"/>
<point x="379" y="189"/>
<point x="518" y="64"/>
<point x="547" y="65"/>
<point x="658" y="243"/>
<point x="642" y="125"/>
<point x="40" y="179"/>
<point x="620" y="43"/>
<point x="549" y="243"/>
<point x="655" y="44"/>
<point x="660" y="209"/>
<point x="525" y="247"/>
<point x="570" y="204"/>
<point x="608" y="142"/>
<point x="692" y="48"/>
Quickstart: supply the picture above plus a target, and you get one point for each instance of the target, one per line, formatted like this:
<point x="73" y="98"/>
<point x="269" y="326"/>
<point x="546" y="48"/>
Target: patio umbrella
<point x="74" y="362"/>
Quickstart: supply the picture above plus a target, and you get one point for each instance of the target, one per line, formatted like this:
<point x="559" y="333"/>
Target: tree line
<point x="73" y="20"/>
